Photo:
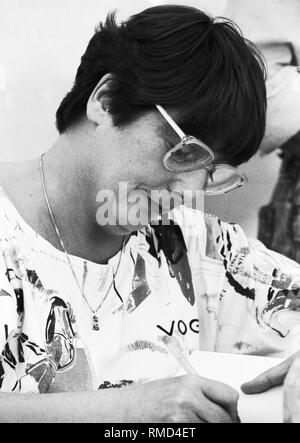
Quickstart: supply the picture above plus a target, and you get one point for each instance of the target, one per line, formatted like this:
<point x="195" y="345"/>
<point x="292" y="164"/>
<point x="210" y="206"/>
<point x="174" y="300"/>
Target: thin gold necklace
<point x="95" y="317"/>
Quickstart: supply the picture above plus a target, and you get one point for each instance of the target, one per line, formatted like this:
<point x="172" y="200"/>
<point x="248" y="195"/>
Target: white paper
<point x="234" y="370"/>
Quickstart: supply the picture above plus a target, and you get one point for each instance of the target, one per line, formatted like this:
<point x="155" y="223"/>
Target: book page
<point x="235" y="370"/>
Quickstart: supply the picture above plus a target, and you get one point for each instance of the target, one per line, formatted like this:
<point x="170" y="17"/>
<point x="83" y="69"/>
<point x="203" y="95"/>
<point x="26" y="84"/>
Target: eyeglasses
<point x="191" y="154"/>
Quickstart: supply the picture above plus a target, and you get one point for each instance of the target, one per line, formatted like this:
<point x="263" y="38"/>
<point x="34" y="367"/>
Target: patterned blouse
<point x="198" y="279"/>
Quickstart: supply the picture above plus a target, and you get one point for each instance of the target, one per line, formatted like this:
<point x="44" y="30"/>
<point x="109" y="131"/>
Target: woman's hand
<point x="186" y="399"/>
<point x="271" y="378"/>
<point x="292" y="394"/>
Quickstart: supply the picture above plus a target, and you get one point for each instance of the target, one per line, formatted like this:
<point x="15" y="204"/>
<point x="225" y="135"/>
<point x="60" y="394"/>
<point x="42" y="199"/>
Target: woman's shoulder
<point x="11" y="196"/>
<point x="9" y="174"/>
<point x="10" y="185"/>
<point x="18" y="192"/>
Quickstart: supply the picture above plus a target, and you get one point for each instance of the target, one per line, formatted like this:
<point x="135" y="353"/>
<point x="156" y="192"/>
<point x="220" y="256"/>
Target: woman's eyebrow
<point x="167" y="133"/>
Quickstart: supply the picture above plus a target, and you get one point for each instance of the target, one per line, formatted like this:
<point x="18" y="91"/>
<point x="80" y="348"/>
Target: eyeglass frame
<point x="207" y="164"/>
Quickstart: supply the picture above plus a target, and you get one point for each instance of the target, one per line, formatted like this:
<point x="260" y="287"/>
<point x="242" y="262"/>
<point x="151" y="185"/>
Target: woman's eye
<point x="179" y="156"/>
<point x="183" y="155"/>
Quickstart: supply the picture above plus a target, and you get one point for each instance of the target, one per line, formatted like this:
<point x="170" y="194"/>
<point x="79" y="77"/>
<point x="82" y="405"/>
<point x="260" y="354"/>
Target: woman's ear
<point x="99" y="100"/>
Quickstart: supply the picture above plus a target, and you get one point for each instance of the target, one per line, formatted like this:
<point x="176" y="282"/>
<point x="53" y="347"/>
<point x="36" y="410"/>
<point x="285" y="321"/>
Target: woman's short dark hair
<point x="180" y="58"/>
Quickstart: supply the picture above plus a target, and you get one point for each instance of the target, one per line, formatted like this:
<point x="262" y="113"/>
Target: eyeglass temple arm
<point x="171" y="121"/>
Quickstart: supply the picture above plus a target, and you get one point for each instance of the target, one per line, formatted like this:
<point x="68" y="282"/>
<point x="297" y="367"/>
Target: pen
<point x="174" y="348"/>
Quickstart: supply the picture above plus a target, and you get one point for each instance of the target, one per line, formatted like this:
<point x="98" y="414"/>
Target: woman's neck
<point x="80" y="233"/>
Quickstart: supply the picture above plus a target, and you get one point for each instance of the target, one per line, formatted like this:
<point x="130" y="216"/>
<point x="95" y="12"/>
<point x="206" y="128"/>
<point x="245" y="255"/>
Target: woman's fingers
<point x="269" y="379"/>
<point x="292" y="394"/>
<point x="210" y="412"/>
<point x="224" y="396"/>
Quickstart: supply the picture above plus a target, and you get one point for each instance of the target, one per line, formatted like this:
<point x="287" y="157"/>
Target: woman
<point x="85" y="304"/>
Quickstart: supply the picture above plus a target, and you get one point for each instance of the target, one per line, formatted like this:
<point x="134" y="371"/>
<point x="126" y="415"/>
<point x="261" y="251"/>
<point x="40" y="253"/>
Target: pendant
<point x="95" y="323"/>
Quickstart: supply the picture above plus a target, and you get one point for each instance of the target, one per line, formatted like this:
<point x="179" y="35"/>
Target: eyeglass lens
<point x="190" y="156"/>
<point x="223" y="179"/>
